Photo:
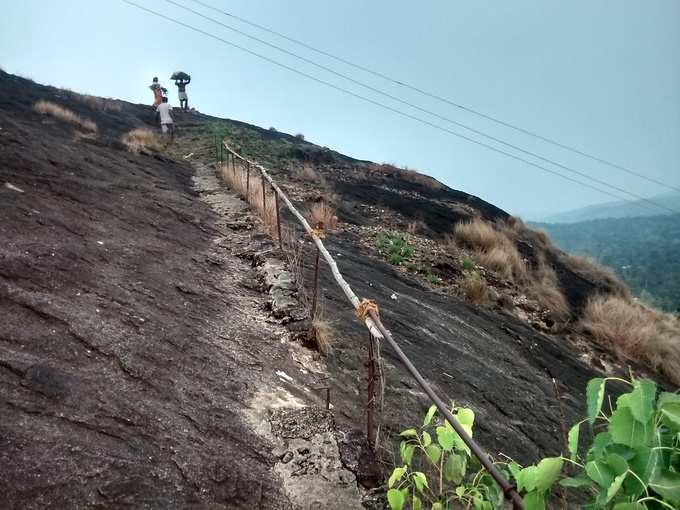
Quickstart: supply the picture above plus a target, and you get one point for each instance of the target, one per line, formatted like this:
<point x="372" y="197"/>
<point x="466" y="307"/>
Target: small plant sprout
<point x="394" y="248"/>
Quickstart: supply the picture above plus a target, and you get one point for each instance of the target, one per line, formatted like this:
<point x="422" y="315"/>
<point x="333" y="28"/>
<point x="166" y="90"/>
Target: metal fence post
<point x="264" y="201"/>
<point x="248" y="181"/>
<point x="370" y="406"/>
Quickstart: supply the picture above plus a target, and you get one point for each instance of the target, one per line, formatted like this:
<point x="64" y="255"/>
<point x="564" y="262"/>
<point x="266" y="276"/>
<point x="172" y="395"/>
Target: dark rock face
<point x="488" y="361"/>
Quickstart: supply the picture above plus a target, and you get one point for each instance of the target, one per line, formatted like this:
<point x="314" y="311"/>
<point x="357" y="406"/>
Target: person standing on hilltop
<point x="167" y="123"/>
<point x="182" y="92"/>
<point x="158" y="92"/>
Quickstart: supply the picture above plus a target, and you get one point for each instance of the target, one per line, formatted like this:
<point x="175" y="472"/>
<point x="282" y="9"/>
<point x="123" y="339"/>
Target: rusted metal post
<point x="370" y="405"/>
<point x="328" y="398"/>
<point x="315" y="291"/>
<point x="278" y="218"/>
<point x="233" y="167"/>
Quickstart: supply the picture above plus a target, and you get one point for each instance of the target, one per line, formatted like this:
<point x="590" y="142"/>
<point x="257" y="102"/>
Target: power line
<point x="444" y="100"/>
<point x="424" y="110"/>
<point x="377" y="103"/>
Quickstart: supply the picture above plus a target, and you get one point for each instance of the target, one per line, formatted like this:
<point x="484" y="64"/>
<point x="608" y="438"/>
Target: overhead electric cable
<point x="444" y="100"/>
<point x="424" y="110"/>
<point x="377" y="103"/>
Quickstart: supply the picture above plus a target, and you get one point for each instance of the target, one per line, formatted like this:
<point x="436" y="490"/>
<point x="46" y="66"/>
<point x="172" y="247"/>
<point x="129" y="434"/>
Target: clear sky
<point x="603" y="76"/>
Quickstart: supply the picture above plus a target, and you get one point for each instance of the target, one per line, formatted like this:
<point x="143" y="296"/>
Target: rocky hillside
<point x="145" y="361"/>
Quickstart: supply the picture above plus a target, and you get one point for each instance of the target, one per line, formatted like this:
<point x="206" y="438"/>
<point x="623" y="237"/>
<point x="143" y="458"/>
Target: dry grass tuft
<point x="635" y="332"/>
<point x="236" y="178"/>
<point x="322" y="216"/>
<point x="599" y="275"/>
<point x="99" y="103"/>
<point x="324" y="335"/>
<point x="478" y="235"/>
<point x="491" y="248"/>
<point x="503" y="260"/>
<point x="544" y="287"/>
<point x="141" y="139"/>
<point x="306" y="173"/>
<point x="475" y="289"/>
<point x="405" y="174"/>
<point x="64" y="114"/>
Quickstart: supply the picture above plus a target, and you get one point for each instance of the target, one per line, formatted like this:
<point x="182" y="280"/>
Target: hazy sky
<point x="603" y="76"/>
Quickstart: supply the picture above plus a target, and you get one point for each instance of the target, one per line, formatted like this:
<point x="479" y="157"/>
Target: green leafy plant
<point x="395" y="248"/>
<point x="434" y="279"/>
<point x="633" y="462"/>
<point x="437" y="470"/>
<point x="468" y="264"/>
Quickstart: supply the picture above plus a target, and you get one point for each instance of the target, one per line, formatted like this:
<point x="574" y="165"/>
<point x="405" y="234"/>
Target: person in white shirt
<point x="167" y="124"/>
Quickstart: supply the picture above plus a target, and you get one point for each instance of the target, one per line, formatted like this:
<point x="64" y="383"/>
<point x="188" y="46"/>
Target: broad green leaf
<point x="627" y="430"/>
<point x="466" y="417"/>
<point x="671" y="415"/>
<point x="615" y="486"/>
<point x="407" y="454"/>
<point x="460" y="490"/>
<point x="600" y="443"/>
<point x="647" y="463"/>
<point x="416" y="504"/>
<point x="594" y="397"/>
<point x="514" y="469"/>
<point x="576" y="482"/>
<point x="547" y="471"/>
<point x="640" y="401"/>
<point x="600" y="473"/>
<point x="617" y="463"/>
<point x="396" y="475"/>
<point x="429" y="415"/>
<point x="629" y="506"/>
<point x="454" y="468"/>
<point x="395" y="499"/>
<point x="667" y="484"/>
<point x="409" y="433"/>
<point x="433" y="453"/>
<point x="666" y="397"/>
<point x="420" y="480"/>
<point x="534" y="500"/>
<point x="445" y="438"/>
<point x="436" y="506"/>
<point x="572" y="440"/>
<point x="426" y="439"/>
<point x="526" y="479"/>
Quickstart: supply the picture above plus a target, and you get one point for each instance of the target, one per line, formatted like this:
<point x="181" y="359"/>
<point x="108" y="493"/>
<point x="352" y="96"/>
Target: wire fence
<point x="242" y="170"/>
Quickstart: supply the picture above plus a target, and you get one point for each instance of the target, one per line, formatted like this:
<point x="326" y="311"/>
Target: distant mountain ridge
<point x="620" y="209"/>
<point x="643" y="252"/>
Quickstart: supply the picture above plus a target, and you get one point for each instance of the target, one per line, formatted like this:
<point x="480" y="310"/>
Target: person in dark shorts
<point x="182" y="92"/>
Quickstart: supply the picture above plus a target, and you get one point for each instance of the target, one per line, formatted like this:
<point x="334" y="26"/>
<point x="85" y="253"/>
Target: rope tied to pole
<point x="365" y="307"/>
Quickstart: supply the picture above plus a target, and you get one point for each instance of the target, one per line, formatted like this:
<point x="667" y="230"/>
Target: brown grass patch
<point x="475" y="289"/>
<point x="322" y="216"/>
<point x="306" y="173"/>
<point x="141" y="139"/>
<point x="65" y="115"/>
<point x="99" y="103"/>
<point x="544" y="287"/>
<point x="405" y="174"/>
<point x="599" y="275"/>
<point x="237" y="179"/>
<point x="635" y="332"/>
<point x="324" y="335"/>
<point x="490" y="248"/>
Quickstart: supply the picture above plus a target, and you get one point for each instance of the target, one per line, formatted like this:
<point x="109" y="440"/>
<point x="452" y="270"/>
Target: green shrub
<point x="434" y="279"/>
<point x="633" y="462"/>
<point x="394" y="248"/>
<point x="468" y="264"/>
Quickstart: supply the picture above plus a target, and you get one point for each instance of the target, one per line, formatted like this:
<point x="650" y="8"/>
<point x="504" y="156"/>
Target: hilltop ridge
<point x="144" y="361"/>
